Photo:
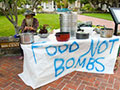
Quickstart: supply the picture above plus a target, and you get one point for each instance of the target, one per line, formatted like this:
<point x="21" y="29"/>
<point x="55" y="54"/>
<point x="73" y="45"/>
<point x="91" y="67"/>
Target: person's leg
<point x="22" y="55"/>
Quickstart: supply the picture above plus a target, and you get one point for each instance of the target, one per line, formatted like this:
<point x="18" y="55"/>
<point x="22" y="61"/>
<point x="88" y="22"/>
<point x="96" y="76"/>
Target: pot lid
<point x="81" y="32"/>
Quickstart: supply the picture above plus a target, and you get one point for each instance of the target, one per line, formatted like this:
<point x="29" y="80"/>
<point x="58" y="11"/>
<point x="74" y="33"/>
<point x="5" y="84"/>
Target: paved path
<point x="10" y="67"/>
<point x="97" y="21"/>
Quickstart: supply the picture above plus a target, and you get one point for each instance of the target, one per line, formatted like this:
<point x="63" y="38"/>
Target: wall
<point x="9" y="46"/>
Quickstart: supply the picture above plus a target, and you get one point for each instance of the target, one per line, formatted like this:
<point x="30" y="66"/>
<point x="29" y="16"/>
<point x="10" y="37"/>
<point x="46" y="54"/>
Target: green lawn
<point x="100" y="15"/>
<point x="7" y="29"/>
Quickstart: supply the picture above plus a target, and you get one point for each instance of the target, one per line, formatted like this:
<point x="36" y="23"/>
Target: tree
<point x="35" y="3"/>
<point x="95" y="3"/>
<point x="10" y="11"/>
<point x="71" y="1"/>
<point x="65" y="2"/>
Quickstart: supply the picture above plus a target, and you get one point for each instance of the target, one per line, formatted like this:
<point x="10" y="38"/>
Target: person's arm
<point x="23" y="25"/>
<point x="35" y="24"/>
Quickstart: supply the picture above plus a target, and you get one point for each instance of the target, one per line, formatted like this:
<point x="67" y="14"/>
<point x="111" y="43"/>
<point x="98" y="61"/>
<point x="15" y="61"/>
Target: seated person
<point x="29" y="24"/>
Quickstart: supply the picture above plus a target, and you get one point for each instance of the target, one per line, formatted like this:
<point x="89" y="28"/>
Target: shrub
<point x="87" y="7"/>
<point x="21" y="11"/>
<point x="39" y="8"/>
<point x="1" y="14"/>
<point x="75" y="9"/>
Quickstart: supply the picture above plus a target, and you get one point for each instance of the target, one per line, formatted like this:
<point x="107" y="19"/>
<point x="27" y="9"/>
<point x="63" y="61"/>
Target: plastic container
<point x="106" y="32"/>
<point x="62" y="36"/>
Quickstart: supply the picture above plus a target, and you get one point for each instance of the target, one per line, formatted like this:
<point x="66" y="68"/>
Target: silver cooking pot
<point x="26" y="38"/>
<point x="106" y="32"/>
<point x="82" y="35"/>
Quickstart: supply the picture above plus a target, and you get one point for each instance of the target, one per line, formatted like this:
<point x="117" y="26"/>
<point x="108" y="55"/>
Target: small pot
<point x="82" y="35"/>
<point x="62" y="36"/>
<point x="106" y="32"/>
<point x="26" y="38"/>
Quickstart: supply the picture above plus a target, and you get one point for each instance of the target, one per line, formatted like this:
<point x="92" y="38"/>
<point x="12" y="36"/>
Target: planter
<point x="62" y="10"/>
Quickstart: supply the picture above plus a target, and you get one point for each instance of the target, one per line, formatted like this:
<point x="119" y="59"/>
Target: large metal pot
<point x="68" y="23"/>
<point x="26" y="38"/>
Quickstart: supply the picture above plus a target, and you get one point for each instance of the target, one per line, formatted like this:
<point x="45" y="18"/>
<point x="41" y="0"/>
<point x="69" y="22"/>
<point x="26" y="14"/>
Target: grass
<point x="105" y="16"/>
<point x="7" y="29"/>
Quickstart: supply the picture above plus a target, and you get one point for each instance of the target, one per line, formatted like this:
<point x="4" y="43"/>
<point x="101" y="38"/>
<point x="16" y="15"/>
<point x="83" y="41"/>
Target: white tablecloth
<point x="47" y="59"/>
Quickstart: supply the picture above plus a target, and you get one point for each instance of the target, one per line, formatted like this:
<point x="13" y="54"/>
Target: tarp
<point x="47" y="61"/>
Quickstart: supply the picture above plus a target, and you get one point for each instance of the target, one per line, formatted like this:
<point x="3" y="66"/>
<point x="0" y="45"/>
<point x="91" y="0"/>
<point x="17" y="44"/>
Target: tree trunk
<point x="117" y="3"/>
<point x="97" y="4"/>
<point x="17" y="29"/>
<point x="80" y="5"/>
<point x="92" y="5"/>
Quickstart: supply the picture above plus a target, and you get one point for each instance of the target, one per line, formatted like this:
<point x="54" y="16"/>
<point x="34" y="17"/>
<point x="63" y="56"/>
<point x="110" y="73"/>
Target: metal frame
<point x="115" y="19"/>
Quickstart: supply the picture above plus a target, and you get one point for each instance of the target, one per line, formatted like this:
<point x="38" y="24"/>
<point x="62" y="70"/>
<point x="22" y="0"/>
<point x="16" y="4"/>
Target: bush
<point x="75" y="9"/>
<point x="1" y="14"/>
<point x="21" y="11"/>
<point x="39" y="8"/>
<point x="87" y="7"/>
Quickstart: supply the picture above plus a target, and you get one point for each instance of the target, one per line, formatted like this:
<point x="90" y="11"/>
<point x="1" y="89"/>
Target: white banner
<point x="47" y="61"/>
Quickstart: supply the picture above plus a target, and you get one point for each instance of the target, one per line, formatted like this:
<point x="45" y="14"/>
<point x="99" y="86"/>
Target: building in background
<point x="49" y="6"/>
<point x="2" y="5"/>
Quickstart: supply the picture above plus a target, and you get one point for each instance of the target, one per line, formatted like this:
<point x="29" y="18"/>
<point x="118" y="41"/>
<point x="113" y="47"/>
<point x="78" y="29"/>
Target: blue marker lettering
<point x="90" y="63"/>
<point x="59" y="68"/>
<point x="73" y="62"/>
<point x="51" y="54"/>
<point x="80" y="62"/>
<point x="73" y="50"/>
<point x="113" y="41"/>
<point x="92" y="46"/>
<point x="32" y="47"/>
<point x="62" y="51"/>
<point x="99" y="48"/>
<point x="100" y="64"/>
<point x="92" y="53"/>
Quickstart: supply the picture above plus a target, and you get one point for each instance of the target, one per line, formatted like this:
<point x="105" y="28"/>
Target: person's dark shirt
<point x="35" y="24"/>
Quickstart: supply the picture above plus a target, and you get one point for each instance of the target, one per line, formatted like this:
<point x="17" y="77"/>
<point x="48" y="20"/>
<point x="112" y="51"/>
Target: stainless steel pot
<point x="26" y="38"/>
<point x="68" y="23"/>
<point x="106" y="32"/>
<point x="82" y="35"/>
